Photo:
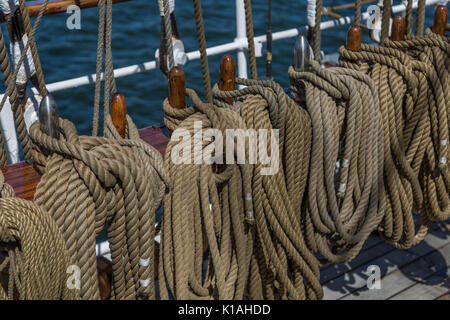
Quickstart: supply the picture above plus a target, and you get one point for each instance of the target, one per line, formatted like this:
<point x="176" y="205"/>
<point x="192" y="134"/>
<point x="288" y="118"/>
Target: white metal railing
<point x="239" y="44"/>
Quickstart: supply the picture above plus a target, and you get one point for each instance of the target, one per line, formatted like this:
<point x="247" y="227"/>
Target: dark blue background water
<point x="68" y="53"/>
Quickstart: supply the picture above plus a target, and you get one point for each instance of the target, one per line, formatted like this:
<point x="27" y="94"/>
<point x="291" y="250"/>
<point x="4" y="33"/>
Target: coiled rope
<point x="204" y="201"/>
<point x="91" y="182"/>
<point x="103" y="48"/>
<point x="250" y="39"/>
<point x="434" y="51"/>
<point x="37" y="259"/>
<point x="282" y="265"/>
<point x="345" y="201"/>
<point x="413" y="107"/>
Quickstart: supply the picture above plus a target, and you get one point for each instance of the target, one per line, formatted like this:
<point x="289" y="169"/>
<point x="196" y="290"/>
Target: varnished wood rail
<point x="59" y="6"/>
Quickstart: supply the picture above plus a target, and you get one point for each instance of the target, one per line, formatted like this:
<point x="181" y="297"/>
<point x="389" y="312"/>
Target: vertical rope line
<point x="250" y="39"/>
<point x="202" y="47"/>
<point x="385" y="20"/>
<point x="420" y="19"/>
<point x="409" y="18"/>
<point x="316" y="31"/>
<point x="34" y="52"/>
<point x="358" y="6"/>
<point x="168" y="30"/>
<point x="110" y="83"/>
<point x="11" y="90"/>
<point x="6" y="73"/>
<point x="98" y="74"/>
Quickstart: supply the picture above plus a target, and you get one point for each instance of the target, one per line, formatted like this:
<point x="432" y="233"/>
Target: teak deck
<point x="421" y="272"/>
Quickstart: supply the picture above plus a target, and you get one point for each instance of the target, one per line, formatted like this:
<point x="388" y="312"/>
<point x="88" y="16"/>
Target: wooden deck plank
<point x="434" y="287"/>
<point x="407" y="276"/>
<point x="24" y="178"/>
<point x="390" y="262"/>
<point x="336" y="270"/>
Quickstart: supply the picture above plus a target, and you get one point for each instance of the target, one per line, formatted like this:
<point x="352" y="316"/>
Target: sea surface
<point x="68" y="53"/>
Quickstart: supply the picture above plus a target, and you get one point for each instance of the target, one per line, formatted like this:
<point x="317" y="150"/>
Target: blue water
<point x="68" y="53"/>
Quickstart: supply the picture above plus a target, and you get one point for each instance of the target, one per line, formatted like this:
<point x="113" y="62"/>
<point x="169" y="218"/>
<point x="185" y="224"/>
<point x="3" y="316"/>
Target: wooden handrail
<point x="59" y="6"/>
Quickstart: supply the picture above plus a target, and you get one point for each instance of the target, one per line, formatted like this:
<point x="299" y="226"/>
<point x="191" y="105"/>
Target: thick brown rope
<point x="91" y="182"/>
<point x="207" y="202"/>
<point x="202" y="47"/>
<point x="386" y="19"/>
<point x="415" y="120"/>
<point x="316" y="31"/>
<point x="420" y="18"/>
<point x="282" y="265"/>
<point x="345" y="186"/>
<point x="434" y="51"/>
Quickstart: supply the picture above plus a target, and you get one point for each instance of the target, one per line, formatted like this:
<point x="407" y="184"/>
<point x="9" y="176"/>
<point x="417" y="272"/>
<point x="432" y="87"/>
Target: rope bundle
<point x="345" y="199"/>
<point x="91" y="182"/>
<point x="434" y="51"/>
<point x="205" y="202"/>
<point x="37" y="259"/>
<point x="415" y="121"/>
<point x="282" y="266"/>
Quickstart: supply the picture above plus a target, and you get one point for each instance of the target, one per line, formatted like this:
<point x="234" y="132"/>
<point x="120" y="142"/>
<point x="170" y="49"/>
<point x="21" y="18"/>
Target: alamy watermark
<point x="74" y="280"/>
<point x="241" y="147"/>
<point x="374" y="279"/>
<point x="73" y="22"/>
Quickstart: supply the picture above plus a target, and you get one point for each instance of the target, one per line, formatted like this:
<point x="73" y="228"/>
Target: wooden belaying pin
<point x="354" y="39"/>
<point x="48" y="116"/>
<point x="398" y="29"/>
<point x="119" y="113"/>
<point x="104" y="270"/>
<point x="177" y="88"/>
<point x="227" y="75"/>
<point x="440" y="20"/>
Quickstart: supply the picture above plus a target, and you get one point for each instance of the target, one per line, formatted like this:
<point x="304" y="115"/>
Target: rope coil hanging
<point x="37" y="259"/>
<point x="434" y="51"/>
<point x="345" y="201"/>
<point x="282" y="265"/>
<point x="196" y="191"/>
<point x="103" y="50"/>
<point x="90" y="182"/>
